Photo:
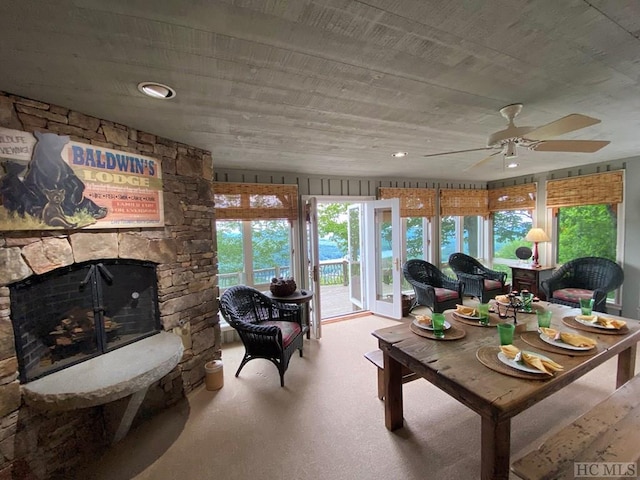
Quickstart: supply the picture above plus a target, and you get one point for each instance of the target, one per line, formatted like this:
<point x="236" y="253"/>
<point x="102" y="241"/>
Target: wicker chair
<point x="477" y="280"/>
<point x="586" y="277"/>
<point x="268" y="329"/>
<point x="432" y="287"/>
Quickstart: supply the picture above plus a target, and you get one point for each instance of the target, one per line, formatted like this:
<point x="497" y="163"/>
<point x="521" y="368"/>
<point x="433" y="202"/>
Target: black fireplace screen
<point x="78" y="312"/>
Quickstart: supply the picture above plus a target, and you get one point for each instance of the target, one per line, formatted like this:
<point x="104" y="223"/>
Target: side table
<point x="526" y="277"/>
<point x="302" y="298"/>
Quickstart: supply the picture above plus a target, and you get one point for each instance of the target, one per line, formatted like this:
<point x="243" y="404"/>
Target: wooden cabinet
<point x="526" y="277"/>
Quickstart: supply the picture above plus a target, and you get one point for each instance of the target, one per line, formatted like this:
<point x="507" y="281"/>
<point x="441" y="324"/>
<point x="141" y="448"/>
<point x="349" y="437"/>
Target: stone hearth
<point x="41" y="443"/>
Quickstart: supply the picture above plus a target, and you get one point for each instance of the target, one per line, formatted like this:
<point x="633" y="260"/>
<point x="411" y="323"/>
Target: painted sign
<point x="50" y="182"/>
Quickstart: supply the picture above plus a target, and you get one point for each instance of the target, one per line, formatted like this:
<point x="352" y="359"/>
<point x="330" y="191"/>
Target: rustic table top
<point x="453" y="366"/>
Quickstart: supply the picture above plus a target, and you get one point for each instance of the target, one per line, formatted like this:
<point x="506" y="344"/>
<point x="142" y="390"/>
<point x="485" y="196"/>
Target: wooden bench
<point x="376" y="358"/>
<point x="609" y="432"/>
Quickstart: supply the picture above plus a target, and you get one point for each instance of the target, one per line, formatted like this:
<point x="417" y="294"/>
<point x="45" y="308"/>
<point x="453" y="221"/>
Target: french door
<point x="382" y="243"/>
<point x="373" y="258"/>
<point x="313" y="265"/>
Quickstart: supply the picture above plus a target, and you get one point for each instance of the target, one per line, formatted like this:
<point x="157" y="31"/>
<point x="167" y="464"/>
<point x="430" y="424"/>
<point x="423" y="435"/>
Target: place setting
<point x="511" y="360"/>
<point x="478" y="316"/>
<point x="556" y="341"/>
<point x="435" y="327"/>
<point x="593" y="322"/>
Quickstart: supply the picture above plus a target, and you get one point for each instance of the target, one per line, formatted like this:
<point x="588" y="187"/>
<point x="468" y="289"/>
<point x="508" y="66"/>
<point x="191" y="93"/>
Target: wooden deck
<point x="335" y="301"/>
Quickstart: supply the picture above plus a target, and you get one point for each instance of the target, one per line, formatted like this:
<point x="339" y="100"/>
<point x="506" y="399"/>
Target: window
<point x="586" y="211"/>
<point x="252" y="252"/>
<point x="460" y="234"/>
<point x="417" y="206"/>
<point x="587" y="231"/>
<point x="509" y="229"/>
<point x="462" y="223"/>
<point x="254" y="225"/>
<point x="512" y="210"/>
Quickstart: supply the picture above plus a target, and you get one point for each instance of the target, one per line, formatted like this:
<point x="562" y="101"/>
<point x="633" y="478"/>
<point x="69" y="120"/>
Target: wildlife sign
<point x="48" y="182"/>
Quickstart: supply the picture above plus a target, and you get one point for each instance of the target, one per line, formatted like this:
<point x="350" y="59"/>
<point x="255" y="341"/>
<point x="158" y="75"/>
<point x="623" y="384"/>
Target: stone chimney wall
<point x="36" y="444"/>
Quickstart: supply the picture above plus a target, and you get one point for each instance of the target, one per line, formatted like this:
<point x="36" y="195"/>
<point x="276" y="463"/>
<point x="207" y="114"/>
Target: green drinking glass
<point x="483" y="312"/>
<point x="505" y="331"/>
<point x="586" y="306"/>
<point x="544" y="318"/>
<point x="437" y="322"/>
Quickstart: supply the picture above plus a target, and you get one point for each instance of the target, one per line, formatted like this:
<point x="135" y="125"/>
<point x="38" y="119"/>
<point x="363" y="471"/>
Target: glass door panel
<point x="356" y="284"/>
<point x="382" y="219"/>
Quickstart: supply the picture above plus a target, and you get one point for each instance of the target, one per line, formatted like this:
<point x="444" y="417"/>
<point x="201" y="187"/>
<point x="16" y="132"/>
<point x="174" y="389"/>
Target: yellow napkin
<point x="466" y="310"/>
<point x="534" y="361"/>
<point x="610" y="322"/>
<point x="502" y="298"/>
<point x="569" y="338"/>
<point x="423" y="319"/>
<point x="604" y="321"/>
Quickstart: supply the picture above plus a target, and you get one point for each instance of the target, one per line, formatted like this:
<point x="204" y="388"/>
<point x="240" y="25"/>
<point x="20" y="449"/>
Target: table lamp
<point x="536" y="235"/>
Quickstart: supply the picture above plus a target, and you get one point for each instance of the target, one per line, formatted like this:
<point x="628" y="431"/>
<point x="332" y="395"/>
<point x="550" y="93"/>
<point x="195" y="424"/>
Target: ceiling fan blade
<point x="567" y="124"/>
<point x="577" y="146"/>
<point x="480" y="162"/>
<point x="457" y="151"/>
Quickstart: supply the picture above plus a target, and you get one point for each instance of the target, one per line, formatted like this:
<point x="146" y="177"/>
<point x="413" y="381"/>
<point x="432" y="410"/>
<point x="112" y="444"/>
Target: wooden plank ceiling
<point x="336" y="86"/>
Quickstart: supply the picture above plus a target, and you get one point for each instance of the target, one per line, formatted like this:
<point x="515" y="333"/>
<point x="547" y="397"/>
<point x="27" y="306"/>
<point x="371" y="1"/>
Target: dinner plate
<point x="561" y="344"/>
<point x="447" y="325"/>
<point x="594" y="324"/>
<point x="521" y="365"/>
<point x="468" y="317"/>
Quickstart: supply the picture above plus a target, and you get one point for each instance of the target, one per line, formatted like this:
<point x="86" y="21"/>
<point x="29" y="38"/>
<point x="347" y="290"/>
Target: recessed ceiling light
<point x="399" y="154"/>
<point x="156" y="90"/>
<point x="512" y="165"/>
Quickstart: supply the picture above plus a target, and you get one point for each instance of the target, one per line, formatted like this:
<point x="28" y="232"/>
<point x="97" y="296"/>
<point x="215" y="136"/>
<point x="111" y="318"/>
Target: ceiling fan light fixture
<point x="510" y="152"/>
<point x="512" y="165"/>
<point x="156" y="90"/>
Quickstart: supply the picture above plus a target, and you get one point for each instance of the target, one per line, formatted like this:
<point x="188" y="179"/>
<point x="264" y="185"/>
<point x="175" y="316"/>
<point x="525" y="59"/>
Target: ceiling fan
<point x="508" y="141"/>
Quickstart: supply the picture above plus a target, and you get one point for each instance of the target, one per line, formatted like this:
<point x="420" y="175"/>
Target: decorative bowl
<point x="282" y="287"/>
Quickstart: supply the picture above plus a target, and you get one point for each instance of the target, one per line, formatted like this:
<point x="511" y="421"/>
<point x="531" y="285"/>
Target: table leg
<point x="495" y="449"/>
<point x="626" y="365"/>
<point x="393" y="408"/>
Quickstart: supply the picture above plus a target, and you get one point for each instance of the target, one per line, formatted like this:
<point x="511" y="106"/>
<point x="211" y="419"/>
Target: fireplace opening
<point x="78" y="312"/>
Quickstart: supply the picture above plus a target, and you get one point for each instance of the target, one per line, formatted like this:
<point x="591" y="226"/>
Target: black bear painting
<point x="47" y="171"/>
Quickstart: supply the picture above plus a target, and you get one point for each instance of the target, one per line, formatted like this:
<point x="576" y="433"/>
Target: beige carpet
<point x="327" y="423"/>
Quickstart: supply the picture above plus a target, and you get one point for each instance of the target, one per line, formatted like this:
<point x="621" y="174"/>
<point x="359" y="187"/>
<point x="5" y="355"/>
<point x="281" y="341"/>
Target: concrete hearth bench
<point x="126" y="371"/>
<point x="609" y="432"/>
<point x="376" y="358"/>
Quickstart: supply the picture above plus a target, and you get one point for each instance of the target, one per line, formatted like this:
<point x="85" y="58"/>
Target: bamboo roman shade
<point x="251" y="201"/>
<point x="517" y="197"/>
<point x="460" y="202"/>
<point x="601" y="188"/>
<point x="414" y="202"/>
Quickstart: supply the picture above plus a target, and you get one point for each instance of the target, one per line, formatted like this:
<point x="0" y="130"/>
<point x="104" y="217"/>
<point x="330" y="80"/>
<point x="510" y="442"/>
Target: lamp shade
<point x="537" y="235"/>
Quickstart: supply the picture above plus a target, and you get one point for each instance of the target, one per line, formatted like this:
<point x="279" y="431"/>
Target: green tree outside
<point x="587" y="231"/>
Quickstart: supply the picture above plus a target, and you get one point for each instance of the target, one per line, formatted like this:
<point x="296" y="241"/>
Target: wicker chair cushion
<point x="289" y="330"/>
<point x="443" y="294"/>
<point x="492" y="284"/>
<point x="572" y="294"/>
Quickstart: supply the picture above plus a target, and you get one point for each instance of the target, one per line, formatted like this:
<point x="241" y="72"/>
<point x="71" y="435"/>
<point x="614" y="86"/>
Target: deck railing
<point x="332" y="272"/>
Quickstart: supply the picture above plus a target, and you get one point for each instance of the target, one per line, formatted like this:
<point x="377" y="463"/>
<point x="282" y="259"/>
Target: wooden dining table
<point x="454" y="367"/>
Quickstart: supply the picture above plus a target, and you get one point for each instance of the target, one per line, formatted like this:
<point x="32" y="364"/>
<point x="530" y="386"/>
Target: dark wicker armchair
<point x="586" y="277"/>
<point x="268" y="329"/>
<point x="477" y="280"/>
<point x="432" y="287"/>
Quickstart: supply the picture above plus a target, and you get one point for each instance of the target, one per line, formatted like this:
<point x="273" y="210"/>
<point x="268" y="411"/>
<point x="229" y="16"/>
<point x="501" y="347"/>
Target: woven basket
<point x="282" y="287"/>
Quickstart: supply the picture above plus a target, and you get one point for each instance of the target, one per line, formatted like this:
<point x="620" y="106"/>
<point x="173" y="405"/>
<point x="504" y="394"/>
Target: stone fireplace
<point x="75" y="313"/>
<point x="180" y="273"/>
